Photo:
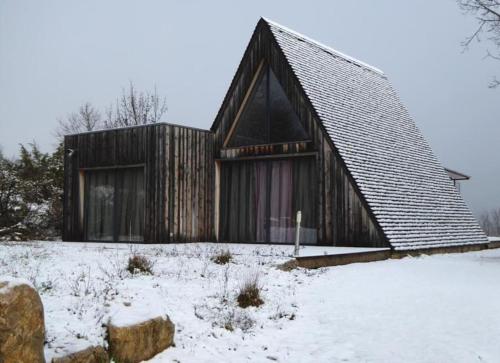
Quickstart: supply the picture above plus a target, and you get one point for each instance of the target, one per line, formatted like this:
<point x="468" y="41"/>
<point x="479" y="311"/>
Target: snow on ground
<point x="441" y="308"/>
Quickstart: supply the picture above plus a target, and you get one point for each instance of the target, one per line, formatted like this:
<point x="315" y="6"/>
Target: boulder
<point x="90" y="355"/>
<point x="141" y="341"/>
<point x="22" y="328"/>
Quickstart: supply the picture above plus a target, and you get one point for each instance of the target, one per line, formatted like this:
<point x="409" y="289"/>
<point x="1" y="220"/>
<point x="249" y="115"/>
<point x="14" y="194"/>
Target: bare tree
<point x="485" y="222"/>
<point x="132" y="108"/>
<point x="88" y="118"/>
<point x="495" y="218"/>
<point x="487" y="14"/>
<point x="490" y="222"/>
<point x="135" y="108"/>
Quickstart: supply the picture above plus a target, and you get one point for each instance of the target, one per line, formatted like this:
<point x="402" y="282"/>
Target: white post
<point x="297" y="233"/>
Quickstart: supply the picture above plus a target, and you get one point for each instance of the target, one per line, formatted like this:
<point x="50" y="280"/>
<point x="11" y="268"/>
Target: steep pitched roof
<point x="403" y="183"/>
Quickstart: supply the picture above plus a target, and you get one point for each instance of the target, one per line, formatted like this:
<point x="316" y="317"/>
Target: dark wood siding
<point x="179" y="170"/>
<point x="343" y="215"/>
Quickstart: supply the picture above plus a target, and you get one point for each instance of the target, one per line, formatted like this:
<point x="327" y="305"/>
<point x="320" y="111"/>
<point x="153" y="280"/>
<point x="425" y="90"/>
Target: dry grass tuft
<point x="249" y="294"/>
<point x="222" y="257"/>
<point x="139" y="264"/>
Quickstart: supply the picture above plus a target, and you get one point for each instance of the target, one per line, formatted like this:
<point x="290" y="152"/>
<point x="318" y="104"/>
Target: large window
<point x="260" y="199"/>
<point x="114" y="205"/>
<point x="268" y="116"/>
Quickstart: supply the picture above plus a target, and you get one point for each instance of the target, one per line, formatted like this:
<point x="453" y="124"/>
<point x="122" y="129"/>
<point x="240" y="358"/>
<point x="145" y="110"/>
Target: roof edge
<point x="138" y="126"/>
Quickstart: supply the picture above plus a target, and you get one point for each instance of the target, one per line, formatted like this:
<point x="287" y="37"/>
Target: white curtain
<point x="114" y="205"/>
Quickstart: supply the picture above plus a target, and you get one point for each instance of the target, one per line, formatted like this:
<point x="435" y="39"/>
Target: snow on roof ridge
<point x="325" y="47"/>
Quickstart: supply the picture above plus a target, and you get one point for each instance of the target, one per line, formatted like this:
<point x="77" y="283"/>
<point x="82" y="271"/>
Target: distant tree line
<point x="31" y="184"/>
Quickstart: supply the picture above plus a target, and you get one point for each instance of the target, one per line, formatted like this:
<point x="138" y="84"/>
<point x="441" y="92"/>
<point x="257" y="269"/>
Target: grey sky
<point x="56" y="55"/>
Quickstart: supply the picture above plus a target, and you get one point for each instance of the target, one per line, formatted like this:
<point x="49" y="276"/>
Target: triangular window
<point x="268" y="116"/>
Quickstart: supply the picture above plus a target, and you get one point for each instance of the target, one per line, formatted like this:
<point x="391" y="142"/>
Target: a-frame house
<point x="372" y="178"/>
<point x="301" y="128"/>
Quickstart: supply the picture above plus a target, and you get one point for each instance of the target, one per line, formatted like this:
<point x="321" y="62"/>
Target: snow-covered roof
<point x="407" y="189"/>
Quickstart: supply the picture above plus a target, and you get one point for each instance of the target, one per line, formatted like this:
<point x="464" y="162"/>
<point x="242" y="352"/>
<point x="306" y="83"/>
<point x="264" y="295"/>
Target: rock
<point x="142" y="341"/>
<point x="89" y="355"/>
<point x="22" y="328"/>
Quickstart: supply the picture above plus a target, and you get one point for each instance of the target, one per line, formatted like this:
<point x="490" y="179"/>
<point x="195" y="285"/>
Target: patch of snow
<point x="494" y="239"/>
<point x="145" y="307"/>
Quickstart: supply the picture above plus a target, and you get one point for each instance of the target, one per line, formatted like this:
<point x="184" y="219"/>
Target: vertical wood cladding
<point x="343" y="216"/>
<point x="179" y="175"/>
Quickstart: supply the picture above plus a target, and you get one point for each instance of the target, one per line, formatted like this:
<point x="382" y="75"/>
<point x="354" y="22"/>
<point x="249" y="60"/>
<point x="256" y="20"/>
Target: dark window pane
<point x="114" y="205"/>
<point x="305" y="197"/>
<point x="130" y="204"/>
<point x="237" y="203"/>
<point x="285" y="125"/>
<point x="252" y="127"/>
<point x="281" y="216"/>
<point x="261" y="199"/>
<point x="100" y="204"/>
<point x="268" y="116"/>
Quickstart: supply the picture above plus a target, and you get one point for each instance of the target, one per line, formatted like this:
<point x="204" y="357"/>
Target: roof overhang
<point x="455" y="175"/>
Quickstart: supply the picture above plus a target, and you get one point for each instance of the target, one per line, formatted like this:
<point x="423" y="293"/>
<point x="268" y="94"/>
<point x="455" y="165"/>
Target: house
<point x="302" y="128"/>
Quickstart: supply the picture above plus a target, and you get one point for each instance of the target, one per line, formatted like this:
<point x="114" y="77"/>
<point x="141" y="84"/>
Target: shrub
<point x="234" y="319"/>
<point x="31" y="189"/>
<point x="249" y="294"/>
<point x="139" y="264"/>
<point x="222" y="257"/>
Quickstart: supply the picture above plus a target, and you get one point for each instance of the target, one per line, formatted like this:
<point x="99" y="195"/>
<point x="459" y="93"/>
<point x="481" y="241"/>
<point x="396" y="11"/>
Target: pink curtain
<point x="280" y="219"/>
<point x="259" y="200"/>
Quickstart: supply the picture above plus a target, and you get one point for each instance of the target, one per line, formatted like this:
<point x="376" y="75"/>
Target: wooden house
<point x="302" y="128"/>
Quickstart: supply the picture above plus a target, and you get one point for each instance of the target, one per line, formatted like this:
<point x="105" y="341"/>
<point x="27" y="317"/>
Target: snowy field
<point x="441" y="308"/>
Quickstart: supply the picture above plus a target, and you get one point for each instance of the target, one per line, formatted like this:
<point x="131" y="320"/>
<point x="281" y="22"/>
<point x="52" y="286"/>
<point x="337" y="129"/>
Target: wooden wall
<point x="179" y="179"/>
<point x="344" y="218"/>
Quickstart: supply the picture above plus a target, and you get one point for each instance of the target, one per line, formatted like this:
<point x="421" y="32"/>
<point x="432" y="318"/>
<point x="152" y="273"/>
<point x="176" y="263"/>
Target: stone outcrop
<point x="22" y="328"/>
<point x="90" y="355"/>
<point x="142" y="341"/>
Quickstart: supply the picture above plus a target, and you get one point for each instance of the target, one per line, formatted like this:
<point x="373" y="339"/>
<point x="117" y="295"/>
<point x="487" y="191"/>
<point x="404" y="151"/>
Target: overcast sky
<point x="56" y="55"/>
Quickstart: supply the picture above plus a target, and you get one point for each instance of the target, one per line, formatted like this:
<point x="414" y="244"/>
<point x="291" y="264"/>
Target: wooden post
<point x="297" y="234"/>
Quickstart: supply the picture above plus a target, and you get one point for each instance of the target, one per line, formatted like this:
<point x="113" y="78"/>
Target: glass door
<point x="260" y="199"/>
<point x="114" y="205"/>
<point x="99" y="205"/>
